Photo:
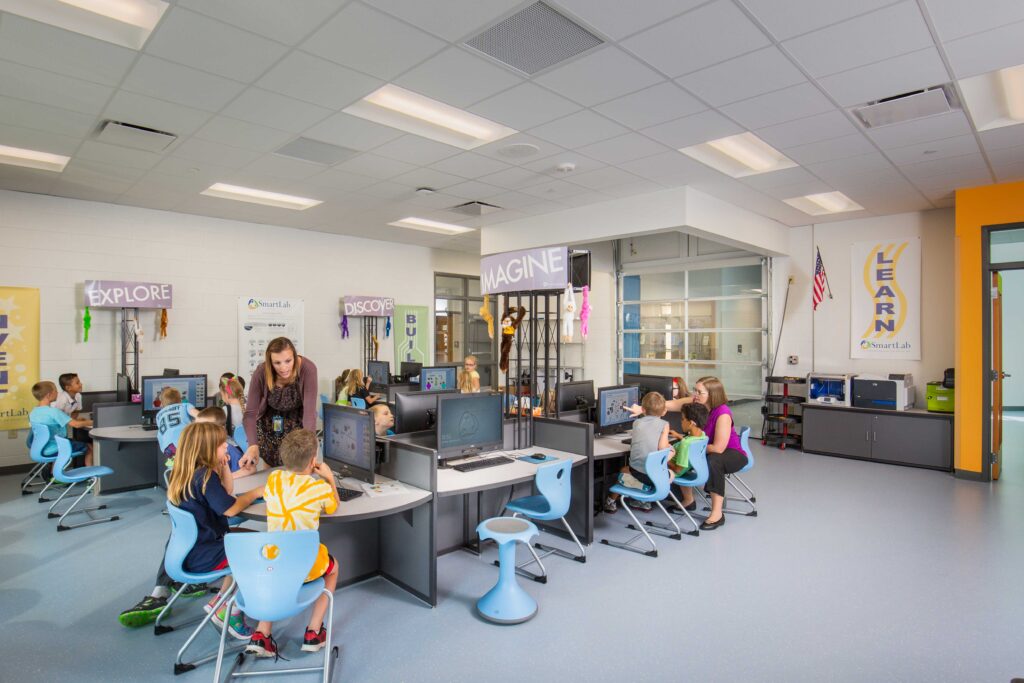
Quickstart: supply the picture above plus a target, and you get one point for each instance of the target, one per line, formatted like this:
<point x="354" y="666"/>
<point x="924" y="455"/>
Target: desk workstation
<point x="120" y="442"/>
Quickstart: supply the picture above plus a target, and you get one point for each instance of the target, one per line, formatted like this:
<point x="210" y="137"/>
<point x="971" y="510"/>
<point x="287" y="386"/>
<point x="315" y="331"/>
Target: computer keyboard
<point x="345" y="495"/>
<point x="149" y="428"/>
<point x="481" y="464"/>
<point x="627" y="441"/>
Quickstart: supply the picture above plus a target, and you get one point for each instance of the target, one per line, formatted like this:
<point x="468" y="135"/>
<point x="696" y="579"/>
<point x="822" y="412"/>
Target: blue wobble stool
<point x="90" y="475"/>
<point x="507" y="602"/>
<point x="358" y="402"/>
<point x="656" y="466"/>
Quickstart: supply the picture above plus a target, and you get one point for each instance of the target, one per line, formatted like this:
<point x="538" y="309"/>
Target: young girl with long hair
<point x="469" y="378"/>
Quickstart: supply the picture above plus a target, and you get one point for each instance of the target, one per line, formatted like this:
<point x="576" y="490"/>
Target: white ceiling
<point x="237" y="79"/>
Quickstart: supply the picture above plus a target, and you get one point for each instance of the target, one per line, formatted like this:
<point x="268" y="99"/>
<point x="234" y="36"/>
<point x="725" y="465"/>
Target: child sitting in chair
<point x="694" y="416"/>
<point x="218" y="417"/>
<point x="56" y="420"/>
<point x="383" y="420"/>
<point x="173" y="417"/>
<point x="650" y="434"/>
<point x="295" y="500"/>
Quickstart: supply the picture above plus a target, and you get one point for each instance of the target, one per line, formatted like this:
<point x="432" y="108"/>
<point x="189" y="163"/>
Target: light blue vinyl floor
<point x="853" y="571"/>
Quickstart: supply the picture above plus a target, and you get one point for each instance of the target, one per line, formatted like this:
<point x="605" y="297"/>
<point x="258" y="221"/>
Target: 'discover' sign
<point x="525" y="270"/>
<point x="885" y="300"/>
<point x="117" y="294"/>
<point x="380" y="306"/>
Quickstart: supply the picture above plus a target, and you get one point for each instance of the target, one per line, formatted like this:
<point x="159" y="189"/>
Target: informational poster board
<point x="885" y="300"/>
<point x="19" y="354"/>
<point x="259" y="321"/>
<point x="412" y="335"/>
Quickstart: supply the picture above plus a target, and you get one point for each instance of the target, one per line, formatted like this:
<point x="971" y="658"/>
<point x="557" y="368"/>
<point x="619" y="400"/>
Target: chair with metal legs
<point x="38" y="441"/>
<point x="746" y="496"/>
<point x="657" y="470"/>
<point x="87" y="475"/>
<point x="694" y="478"/>
<point x="270" y="570"/>
<point x="554" y="486"/>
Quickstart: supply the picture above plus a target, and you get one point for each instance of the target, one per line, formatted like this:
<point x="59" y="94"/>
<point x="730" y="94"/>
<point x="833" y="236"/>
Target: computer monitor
<point x="350" y="441"/>
<point x="437" y="378"/>
<point x="649" y="383"/>
<point x="379" y="372"/>
<point x="123" y="386"/>
<point x="172" y="372"/>
<point x="612" y="408"/>
<point x="409" y="369"/>
<point x="416" y="411"/>
<point x="575" y="395"/>
<point x="192" y="388"/>
<point x="468" y="424"/>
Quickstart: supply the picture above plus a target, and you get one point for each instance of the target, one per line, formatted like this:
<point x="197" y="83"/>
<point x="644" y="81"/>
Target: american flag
<point x="820" y="282"/>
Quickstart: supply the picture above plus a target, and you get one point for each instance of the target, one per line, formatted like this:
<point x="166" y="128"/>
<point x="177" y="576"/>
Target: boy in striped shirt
<point x="295" y="499"/>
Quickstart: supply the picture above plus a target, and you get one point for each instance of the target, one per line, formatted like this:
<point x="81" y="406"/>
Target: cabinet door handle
<point x="867" y="436"/>
<point x="874" y="436"/>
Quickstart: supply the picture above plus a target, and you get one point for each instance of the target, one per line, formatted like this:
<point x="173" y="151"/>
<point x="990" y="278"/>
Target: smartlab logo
<point x="255" y="304"/>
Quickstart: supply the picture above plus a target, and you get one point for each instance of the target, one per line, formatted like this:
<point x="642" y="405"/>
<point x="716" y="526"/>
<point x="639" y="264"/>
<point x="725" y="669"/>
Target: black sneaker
<point x="145" y="612"/>
<point x="193" y="590"/>
<point x="611" y="506"/>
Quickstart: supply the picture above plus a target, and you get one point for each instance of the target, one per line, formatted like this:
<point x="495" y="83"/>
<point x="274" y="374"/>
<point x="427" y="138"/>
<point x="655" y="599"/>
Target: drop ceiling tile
<point x="524" y="106"/>
<point x="623" y="148"/>
<point x="955" y="19"/>
<point x="787" y="176"/>
<point x="473" y="190"/>
<point x="513" y="200"/>
<point x="36" y="85"/>
<point x="428" y="177"/>
<point x="238" y="133"/>
<point x="459" y="18"/>
<point x="651" y="106"/>
<point x="29" y="138"/>
<point x="972" y="163"/>
<point x="866" y="39"/>
<point x="469" y="165"/>
<point x="812" y="186"/>
<point x="1010" y="171"/>
<point x="793" y="17"/>
<point x="366" y="40"/>
<point x="286" y="23"/>
<point x="554" y="190"/>
<point x="692" y="130"/>
<point x="1002" y="138"/>
<point x="413" y="149"/>
<point x="514" y="178"/>
<point x="437" y="200"/>
<point x="70" y="54"/>
<point x="788" y="104"/>
<point x="341" y="180"/>
<point x="275" y="111"/>
<point x="278" y="166"/>
<point x="318" y="81"/>
<point x="935" y="149"/>
<point x="46" y="118"/>
<point x="375" y="166"/>
<point x="1005" y="155"/>
<point x="673" y="167"/>
<point x="599" y="76"/>
<point x="983" y="52"/>
<point x="498" y="149"/>
<point x="213" y="153"/>
<point x="631" y="189"/>
<point x="22" y="179"/>
<point x="175" y="83"/>
<point x="588" y="197"/>
<point x="458" y="78"/>
<point x="705" y="36"/>
<point x="939" y="127"/>
<point x="116" y="155"/>
<point x="579" y="129"/>
<point x="906" y="73"/>
<point x="947" y="182"/>
<point x="826" y="150"/>
<point x="831" y="124"/>
<point x="190" y="170"/>
<point x="603" y="178"/>
<point x="112" y="171"/>
<point x="210" y="45"/>
<point x="752" y="74"/>
<point x="618" y="19"/>
<point x="549" y="166"/>
<point x="352" y="132"/>
<point x="839" y="170"/>
<point x="140" y="110"/>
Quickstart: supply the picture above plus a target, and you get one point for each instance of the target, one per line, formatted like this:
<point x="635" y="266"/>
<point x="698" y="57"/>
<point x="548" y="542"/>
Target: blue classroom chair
<point x="240" y="438"/>
<point x="323" y="401"/>
<point x="747" y="496"/>
<point x="358" y="402"/>
<point x="657" y="470"/>
<point x="554" y="486"/>
<point x="87" y="475"/>
<point x="270" y="570"/>
<point x="38" y="441"/>
<point x="507" y="602"/>
<point x="694" y="478"/>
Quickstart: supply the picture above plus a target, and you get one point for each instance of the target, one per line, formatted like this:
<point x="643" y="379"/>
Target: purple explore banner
<point x="116" y="294"/>
<point x="369" y="306"/>
<point x="541" y="269"/>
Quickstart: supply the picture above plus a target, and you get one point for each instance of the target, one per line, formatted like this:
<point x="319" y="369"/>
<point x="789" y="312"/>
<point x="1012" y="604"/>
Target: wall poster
<point x="19" y="354"/>
<point x="259" y="321"/>
<point x="885" y="300"/>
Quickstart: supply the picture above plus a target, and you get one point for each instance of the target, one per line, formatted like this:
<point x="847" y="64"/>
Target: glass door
<point x="460" y="329"/>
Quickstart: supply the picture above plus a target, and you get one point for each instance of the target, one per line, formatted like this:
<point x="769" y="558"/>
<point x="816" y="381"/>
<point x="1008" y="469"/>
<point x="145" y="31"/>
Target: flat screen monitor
<point x="192" y="388"/>
<point x="468" y="424"/>
<point x="350" y="441"/>
<point x="172" y="372"/>
<point x="612" y="408"/>
<point x="649" y="383"/>
<point x="379" y="372"/>
<point x="575" y="395"/>
<point x="439" y="378"/>
<point x="409" y="370"/>
<point x="123" y="388"/>
<point x="416" y="411"/>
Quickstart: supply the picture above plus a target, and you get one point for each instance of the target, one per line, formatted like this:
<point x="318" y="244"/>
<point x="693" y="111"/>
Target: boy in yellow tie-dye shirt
<point x="295" y="499"/>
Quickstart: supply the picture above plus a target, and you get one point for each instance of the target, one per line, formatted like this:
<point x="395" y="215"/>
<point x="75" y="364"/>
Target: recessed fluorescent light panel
<point x="824" y="203"/>
<point x="414" y="113"/>
<point x="739" y="155"/>
<point x="995" y="99"/>
<point x="123" y="22"/>
<point x="431" y="226"/>
<point x="30" y="158"/>
<point x="247" y="194"/>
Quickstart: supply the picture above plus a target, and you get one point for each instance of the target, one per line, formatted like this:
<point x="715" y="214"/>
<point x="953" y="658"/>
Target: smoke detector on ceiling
<point x="565" y="167"/>
<point x="136" y="137"/>
<point x="908" y="106"/>
<point x="518" y="150"/>
<point x="475" y="208"/>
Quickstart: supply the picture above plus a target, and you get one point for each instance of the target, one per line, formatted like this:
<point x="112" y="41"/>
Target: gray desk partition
<point x="116" y="414"/>
<point x="91" y="398"/>
<point x="572" y="437"/>
<point x="135" y="461"/>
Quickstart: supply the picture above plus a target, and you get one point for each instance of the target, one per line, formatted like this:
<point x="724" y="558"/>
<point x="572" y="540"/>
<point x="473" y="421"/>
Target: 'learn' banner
<point x="885" y="300"/>
<point x="19" y="354"/>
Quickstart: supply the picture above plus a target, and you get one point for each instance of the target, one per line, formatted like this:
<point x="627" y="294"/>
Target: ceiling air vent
<point x="136" y="137"/>
<point x="475" y="208"/>
<point x="908" y="106"/>
<point x="318" y="152"/>
<point x="533" y="39"/>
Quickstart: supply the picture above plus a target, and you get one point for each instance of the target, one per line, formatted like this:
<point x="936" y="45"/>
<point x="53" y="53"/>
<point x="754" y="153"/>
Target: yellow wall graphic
<point x="19" y="354"/>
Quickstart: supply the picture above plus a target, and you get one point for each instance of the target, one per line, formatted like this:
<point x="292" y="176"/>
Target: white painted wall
<point x="830" y="351"/>
<point x="1013" y="333"/>
<point x="56" y="244"/>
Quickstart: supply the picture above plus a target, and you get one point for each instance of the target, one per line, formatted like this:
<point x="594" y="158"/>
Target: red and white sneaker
<point x="314" y="642"/>
<point x="261" y="645"/>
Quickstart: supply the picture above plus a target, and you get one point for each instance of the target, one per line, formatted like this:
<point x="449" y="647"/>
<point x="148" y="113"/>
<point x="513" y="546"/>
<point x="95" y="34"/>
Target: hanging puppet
<point x="344" y="326"/>
<point x="139" y="334"/>
<point x="376" y="346"/>
<point x="163" y="323"/>
<point x="387" y="328"/>
<point x="509" y="324"/>
<point x="585" y="314"/>
<point x="86" y="324"/>
<point x="485" y="313"/>
<point x="568" y="312"/>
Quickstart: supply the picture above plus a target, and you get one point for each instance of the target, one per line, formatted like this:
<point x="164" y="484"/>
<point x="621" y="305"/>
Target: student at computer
<point x="358" y="386"/>
<point x="650" y="434"/>
<point x="340" y="391"/>
<point x="69" y="398"/>
<point x="295" y="500"/>
<point x="694" y="417"/>
<point x="173" y="416"/>
<point x="57" y="421"/>
<point x="231" y="399"/>
<point x="383" y="420"/>
<point x="469" y="378"/>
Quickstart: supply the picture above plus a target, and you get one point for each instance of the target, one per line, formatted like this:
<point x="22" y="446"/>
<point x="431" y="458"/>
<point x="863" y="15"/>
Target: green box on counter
<point x="940" y="398"/>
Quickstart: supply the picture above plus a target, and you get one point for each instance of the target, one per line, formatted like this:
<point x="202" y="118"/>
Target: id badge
<point x="278" y="424"/>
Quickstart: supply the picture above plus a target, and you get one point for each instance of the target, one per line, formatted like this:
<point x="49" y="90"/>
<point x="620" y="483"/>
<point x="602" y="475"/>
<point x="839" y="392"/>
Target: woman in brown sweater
<point x="282" y="397"/>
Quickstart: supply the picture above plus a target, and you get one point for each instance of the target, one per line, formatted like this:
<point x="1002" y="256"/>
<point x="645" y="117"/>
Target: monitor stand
<point x="148" y="424"/>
